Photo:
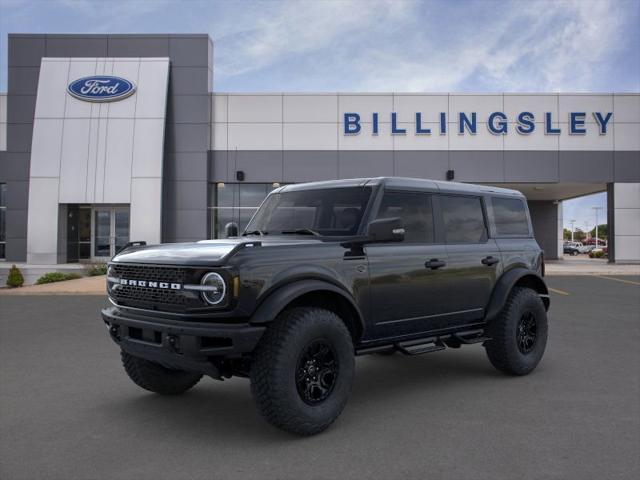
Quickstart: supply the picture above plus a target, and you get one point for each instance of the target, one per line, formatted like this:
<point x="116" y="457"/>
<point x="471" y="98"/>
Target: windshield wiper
<point x="254" y="232"/>
<point x="300" y="231"/>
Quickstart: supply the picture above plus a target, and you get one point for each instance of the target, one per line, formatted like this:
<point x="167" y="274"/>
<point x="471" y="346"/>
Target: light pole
<point x="596" y="210"/>
<point x="572" y="222"/>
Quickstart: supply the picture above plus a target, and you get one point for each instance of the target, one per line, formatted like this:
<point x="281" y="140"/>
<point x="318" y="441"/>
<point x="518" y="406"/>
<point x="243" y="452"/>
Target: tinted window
<point x="414" y="209"/>
<point x="510" y="216"/>
<point x="333" y="212"/>
<point x="463" y="219"/>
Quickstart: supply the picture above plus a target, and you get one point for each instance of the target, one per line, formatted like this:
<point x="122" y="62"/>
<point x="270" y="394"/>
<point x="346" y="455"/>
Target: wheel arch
<point x="313" y="293"/>
<point x="518" y="277"/>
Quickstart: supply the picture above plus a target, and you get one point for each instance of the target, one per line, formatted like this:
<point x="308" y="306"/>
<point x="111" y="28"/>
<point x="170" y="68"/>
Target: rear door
<point x="405" y="292"/>
<point x="474" y="260"/>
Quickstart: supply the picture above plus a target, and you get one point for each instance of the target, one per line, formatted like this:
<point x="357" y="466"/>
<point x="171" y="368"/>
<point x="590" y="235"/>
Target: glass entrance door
<point x="110" y="231"/>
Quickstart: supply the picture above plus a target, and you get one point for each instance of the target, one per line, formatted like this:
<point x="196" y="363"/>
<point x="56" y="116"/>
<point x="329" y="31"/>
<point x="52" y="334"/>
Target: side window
<point x="463" y="219"/>
<point x="510" y="217"/>
<point x="414" y="209"/>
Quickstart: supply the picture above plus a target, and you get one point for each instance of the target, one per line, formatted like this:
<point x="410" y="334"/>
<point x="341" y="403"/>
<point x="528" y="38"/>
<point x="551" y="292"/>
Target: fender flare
<point x="505" y="284"/>
<point x="282" y="296"/>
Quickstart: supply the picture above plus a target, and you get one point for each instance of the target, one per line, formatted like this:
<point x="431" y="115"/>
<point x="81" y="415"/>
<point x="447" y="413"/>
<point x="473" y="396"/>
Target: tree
<point x="603" y="231"/>
<point x="578" y="235"/>
<point x="566" y="234"/>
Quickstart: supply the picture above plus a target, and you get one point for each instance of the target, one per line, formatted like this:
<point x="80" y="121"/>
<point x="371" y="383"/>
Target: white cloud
<point x="287" y="30"/>
<point x="377" y="45"/>
<point x="532" y="46"/>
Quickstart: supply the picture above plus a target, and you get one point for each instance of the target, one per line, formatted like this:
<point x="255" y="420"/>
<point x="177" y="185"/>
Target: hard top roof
<point x="402" y="183"/>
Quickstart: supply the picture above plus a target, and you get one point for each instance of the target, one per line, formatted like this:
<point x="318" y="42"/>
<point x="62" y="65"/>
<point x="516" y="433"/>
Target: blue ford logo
<point x="102" y="88"/>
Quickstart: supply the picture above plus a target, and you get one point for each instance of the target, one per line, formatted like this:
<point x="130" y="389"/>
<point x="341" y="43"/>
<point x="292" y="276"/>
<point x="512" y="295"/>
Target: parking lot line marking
<point x="559" y="292"/>
<point x="631" y="282"/>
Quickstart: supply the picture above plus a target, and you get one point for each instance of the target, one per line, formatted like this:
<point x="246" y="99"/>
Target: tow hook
<point x="173" y="343"/>
<point x="114" y="331"/>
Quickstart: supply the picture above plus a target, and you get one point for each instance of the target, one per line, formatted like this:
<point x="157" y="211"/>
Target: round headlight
<point x="215" y="289"/>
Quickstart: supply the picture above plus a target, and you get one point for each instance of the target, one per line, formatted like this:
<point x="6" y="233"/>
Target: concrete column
<point x="546" y="217"/>
<point x="623" y="206"/>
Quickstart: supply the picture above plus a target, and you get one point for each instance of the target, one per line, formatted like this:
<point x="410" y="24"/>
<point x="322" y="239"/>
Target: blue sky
<point x="371" y="45"/>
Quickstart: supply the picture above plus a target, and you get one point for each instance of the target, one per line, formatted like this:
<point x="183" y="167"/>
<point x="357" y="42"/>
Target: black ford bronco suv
<point x="324" y="272"/>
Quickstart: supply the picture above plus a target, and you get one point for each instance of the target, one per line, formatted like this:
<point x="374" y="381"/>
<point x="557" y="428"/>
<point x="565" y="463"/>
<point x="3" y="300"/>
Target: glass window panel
<point x="463" y="219"/>
<point x="122" y="229"/>
<point x="245" y="216"/>
<point x="84" y="224"/>
<point x="226" y="195"/>
<point x="3" y="233"/>
<point x="335" y="212"/>
<point x="252" y="194"/>
<point x="510" y="216"/>
<point x="414" y="209"/>
<point x="219" y="218"/>
<point x="103" y="233"/>
<point x="84" y="251"/>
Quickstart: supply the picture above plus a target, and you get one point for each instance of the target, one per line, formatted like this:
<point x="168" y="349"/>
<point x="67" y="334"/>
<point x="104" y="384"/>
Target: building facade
<point x="110" y="138"/>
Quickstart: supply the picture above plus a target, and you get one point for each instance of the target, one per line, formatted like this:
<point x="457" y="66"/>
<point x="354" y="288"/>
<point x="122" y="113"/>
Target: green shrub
<point x="15" y="278"/>
<point x="95" y="270"/>
<point x="597" y="254"/>
<point x="57" y="277"/>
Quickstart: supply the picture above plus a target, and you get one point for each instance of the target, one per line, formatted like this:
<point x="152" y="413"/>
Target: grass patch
<point x="96" y="270"/>
<point x="53" y="277"/>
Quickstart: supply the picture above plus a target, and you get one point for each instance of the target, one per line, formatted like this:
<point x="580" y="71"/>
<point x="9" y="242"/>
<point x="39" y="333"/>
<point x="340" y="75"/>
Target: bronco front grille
<point x="163" y="299"/>
<point x="150" y="272"/>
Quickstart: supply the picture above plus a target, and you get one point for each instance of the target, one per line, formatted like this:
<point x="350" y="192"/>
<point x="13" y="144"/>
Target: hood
<point x="205" y="252"/>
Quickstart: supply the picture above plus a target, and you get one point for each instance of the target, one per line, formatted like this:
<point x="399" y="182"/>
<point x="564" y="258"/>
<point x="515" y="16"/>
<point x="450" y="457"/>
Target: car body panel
<point x="391" y="287"/>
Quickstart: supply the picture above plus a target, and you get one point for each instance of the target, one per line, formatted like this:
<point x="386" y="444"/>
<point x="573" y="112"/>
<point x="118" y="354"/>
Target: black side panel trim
<point x="280" y="298"/>
<point x="505" y="284"/>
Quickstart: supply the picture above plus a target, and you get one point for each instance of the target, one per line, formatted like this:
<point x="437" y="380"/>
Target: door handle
<point x="434" y="264"/>
<point x="489" y="261"/>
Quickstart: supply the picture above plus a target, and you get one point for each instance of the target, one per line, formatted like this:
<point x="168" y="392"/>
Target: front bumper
<point x="178" y="344"/>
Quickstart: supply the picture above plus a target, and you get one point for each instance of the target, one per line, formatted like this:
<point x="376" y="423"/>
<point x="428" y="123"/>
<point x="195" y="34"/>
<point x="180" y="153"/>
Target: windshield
<point x="325" y="212"/>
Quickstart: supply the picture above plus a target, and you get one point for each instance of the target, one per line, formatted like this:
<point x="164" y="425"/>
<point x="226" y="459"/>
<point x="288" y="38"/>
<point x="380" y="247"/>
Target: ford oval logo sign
<point x="101" y="88"/>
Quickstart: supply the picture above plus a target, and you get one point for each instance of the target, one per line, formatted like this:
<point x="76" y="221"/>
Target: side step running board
<point x="429" y="344"/>
<point x="417" y="347"/>
<point x="420" y="348"/>
<point x="471" y="337"/>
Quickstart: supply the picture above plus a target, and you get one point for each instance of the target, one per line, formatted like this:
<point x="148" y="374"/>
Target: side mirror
<point x="231" y="229"/>
<point x="385" y="230"/>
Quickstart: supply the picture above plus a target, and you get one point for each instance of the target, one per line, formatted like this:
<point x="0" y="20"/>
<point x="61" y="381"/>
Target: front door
<point x="407" y="284"/>
<point x="110" y="231"/>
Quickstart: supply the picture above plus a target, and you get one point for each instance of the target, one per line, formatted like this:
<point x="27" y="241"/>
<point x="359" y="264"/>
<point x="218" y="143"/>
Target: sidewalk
<point x="583" y="265"/>
<point x="80" y="286"/>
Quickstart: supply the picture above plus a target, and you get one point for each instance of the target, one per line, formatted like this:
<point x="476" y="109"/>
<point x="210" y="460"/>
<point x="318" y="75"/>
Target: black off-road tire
<point x="510" y="349"/>
<point x="279" y="360"/>
<point x="156" y="378"/>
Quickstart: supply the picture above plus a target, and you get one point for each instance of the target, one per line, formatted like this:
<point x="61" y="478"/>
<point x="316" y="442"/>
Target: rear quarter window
<point x="510" y="217"/>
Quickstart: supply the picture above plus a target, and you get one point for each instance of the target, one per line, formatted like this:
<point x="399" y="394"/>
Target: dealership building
<point x="106" y="139"/>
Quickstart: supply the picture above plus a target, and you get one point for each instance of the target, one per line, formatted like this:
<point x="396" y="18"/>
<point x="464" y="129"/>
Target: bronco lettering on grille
<point x="149" y="284"/>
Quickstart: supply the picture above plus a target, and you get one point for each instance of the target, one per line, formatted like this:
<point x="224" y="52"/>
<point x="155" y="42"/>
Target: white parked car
<point x="579" y="246"/>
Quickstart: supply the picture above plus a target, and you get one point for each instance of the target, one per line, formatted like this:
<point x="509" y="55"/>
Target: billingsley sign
<point x="497" y="123"/>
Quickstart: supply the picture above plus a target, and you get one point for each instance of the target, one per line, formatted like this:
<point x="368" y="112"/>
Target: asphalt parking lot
<point x="68" y="411"/>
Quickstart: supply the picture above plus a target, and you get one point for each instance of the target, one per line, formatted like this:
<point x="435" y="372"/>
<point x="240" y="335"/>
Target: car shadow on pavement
<point x="226" y="410"/>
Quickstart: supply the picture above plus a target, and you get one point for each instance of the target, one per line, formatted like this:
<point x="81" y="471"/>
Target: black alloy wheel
<point x="527" y="332"/>
<point x="317" y="372"/>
